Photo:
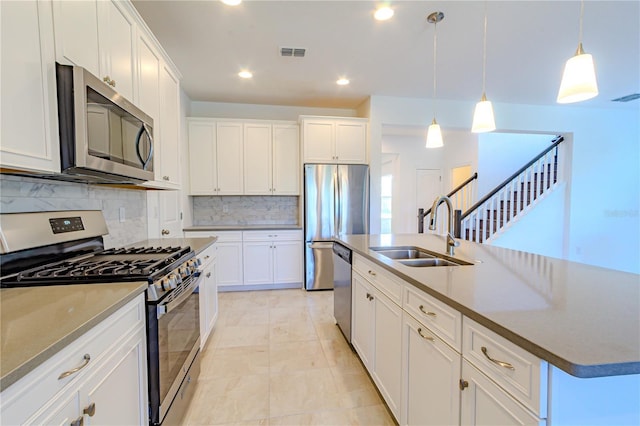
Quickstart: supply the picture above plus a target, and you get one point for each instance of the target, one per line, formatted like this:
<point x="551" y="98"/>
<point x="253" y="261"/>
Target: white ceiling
<point x="527" y="45"/>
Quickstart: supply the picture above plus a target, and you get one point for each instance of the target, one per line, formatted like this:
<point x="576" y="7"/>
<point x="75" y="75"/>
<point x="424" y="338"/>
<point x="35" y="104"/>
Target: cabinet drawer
<point x="443" y="320"/>
<point x="520" y="373"/>
<point x="31" y="392"/>
<point x="384" y="281"/>
<point x="223" y="236"/>
<point x="207" y="255"/>
<point x="274" y="235"/>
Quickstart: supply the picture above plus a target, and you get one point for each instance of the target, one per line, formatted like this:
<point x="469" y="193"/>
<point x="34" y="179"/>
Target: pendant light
<point x="434" y="134"/>
<point x="483" y="120"/>
<point x="579" y="76"/>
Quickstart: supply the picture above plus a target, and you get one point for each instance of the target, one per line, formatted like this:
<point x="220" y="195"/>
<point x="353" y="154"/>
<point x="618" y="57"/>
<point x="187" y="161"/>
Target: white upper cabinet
<point x="235" y="157"/>
<point x="148" y="77"/>
<point x="29" y="129"/>
<point x="116" y="31"/>
<point x="334" y="140"/>
<point x="167" y="164"/>
<point x="271" y="159"/>
<point x="99" y="36"/>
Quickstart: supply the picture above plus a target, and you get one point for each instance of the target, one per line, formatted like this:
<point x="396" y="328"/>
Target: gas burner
<point x="142" y="250"/>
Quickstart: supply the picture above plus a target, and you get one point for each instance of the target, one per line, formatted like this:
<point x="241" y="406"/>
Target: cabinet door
<point x="229" y="263"/>
<point x="287" y="262"/>
<point x="229" y="158"/>
<point x="169" y="144"/>
<point x="118" y="388"/>
<point x="76" y="34"/>
<point x="29" y="131"/>
<point x="149" y="80"/>
<point x="351" y="142"/>
<point x="362" y="325"/>
<point x="257" y="159"/>
<point x="431" y="371"/>
<point x="62" y="411"/>
<point x="117" y="38"/>
<point x="258" y="262"/>
<point x="318" y="141"/>
<point x="387" y="357"/>
<point x="286" y="160"/>
<point x="170" y="214"/>
<point x="484" y="403"/>
<point x="202" y="158"/>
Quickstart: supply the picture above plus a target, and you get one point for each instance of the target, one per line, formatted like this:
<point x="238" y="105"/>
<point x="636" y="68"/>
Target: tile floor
<point x="277" y="358"/>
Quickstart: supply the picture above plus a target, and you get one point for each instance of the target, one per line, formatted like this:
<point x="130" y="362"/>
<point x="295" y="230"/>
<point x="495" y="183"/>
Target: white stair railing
<point x="514" y="197"/>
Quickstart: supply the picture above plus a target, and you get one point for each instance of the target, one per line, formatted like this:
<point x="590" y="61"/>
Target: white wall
<point x="603" y="210"/>
<point x="502" y="154"/>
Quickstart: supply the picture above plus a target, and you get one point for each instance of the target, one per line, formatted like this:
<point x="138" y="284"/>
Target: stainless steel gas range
<point x="66" y="248"/>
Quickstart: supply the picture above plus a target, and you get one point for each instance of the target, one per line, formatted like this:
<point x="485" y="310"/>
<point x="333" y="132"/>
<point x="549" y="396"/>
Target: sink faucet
<point x="451" y="242"/>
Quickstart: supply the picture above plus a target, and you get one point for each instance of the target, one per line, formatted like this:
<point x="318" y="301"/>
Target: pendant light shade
<point x="579" y="76"/>
<point x="434" y="135"/>
<point x="483" y="120"/>
<point x="579" y="79"/>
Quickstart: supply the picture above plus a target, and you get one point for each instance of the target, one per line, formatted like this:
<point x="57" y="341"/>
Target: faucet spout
<point x="451" y="242"/>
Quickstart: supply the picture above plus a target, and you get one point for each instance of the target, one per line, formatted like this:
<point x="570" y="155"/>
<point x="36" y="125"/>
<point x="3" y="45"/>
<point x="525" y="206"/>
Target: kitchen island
<point x="569" y="331"/>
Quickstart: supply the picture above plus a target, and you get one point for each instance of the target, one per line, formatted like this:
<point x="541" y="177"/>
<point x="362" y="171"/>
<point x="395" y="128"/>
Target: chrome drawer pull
<point x="90" y="410"/>
<point x="372" y="273"/>
<point x="77" y="422"/>
<point x="429" y="338"/>
<point x="429" y="313"/>
<point x="86" y="358"/>
<point x="495" y="361"/>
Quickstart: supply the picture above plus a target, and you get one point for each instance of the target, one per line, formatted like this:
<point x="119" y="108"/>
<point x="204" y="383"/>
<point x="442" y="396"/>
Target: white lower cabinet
<point x="208" y="293"/>
<point x="110" y="388"/>
<point x="485" y="403"/>
<point x="272" y="257"/>
<point x="431" y="375"/>
<point x="377" y="337"/>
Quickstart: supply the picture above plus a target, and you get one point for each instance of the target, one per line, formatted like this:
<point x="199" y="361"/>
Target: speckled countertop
<point x="583" y="319"/>
<point x="239" y="227"/>
<point x="37" y="322"/>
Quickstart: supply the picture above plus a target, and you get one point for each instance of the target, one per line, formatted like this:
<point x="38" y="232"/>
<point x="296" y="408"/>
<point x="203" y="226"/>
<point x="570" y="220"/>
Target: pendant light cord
<point x="484" y="51"/>
<point x="435" y="58"/>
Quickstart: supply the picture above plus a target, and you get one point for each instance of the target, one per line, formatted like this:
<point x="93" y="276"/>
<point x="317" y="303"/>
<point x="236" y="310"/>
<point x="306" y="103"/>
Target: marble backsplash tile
<point x="245" y="210"/>
<point x="24" y="194"/>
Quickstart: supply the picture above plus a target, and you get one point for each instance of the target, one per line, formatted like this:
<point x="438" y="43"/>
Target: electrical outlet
<point x="121" y="214"/>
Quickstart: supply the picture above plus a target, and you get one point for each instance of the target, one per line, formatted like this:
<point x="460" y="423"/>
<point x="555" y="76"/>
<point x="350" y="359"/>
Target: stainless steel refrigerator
<point x="336" y="201"/>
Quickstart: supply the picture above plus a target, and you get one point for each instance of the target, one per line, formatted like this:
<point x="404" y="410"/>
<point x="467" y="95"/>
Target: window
<point x="385" y="199"/>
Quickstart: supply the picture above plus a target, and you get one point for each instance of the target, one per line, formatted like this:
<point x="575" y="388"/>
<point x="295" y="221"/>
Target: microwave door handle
<point x="144" y="129"/>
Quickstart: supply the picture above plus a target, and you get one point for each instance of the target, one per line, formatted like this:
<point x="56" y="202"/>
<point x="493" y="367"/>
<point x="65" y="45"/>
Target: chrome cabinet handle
<point x="429" y="313"/>
<point x="165" y="177"/>
<point x="429" y="338"/>
<point x="369" y="296"/>
<point x="90" y="410"/>
<point x="208" y="274"/>
<point x="165" y="232"/>
<point x="373" y="274"/>
<point x="86" y="358"/>
<point x="206" y="257"/>
<point x="495" y="361"/>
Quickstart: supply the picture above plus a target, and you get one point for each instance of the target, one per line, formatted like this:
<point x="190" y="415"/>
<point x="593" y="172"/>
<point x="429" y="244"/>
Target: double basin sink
<point x="417" y="257"/>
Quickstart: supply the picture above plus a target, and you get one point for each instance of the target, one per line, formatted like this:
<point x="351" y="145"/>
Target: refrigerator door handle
<point x="321" y="245"/>
<point x="337" y="196"/>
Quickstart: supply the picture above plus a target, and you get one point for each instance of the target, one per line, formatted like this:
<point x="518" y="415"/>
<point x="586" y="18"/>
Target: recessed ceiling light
<point x="383" y="13"/>
<point x="231" y="2"/>
<point x="342" y="81"/>
<point x="245" y="74"/>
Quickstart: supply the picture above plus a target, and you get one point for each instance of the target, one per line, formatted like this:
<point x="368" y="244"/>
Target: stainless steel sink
<point x="417" y="257"/>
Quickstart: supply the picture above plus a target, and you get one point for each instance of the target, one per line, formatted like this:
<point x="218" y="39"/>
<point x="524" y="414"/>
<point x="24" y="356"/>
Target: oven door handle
<point x="170" y="306"/>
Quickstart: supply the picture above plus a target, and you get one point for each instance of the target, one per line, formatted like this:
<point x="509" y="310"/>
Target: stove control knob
<point x="173" y="281"/>
<point x="198" y="262"/>
<point x="177" y="279"/>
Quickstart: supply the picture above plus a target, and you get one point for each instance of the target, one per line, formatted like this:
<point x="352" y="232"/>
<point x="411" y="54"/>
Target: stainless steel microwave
<point x="104" y="138"/>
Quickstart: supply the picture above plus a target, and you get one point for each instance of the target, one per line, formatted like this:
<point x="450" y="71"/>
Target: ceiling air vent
<point x="627" y="98"/>
<point x="296" y="52"/>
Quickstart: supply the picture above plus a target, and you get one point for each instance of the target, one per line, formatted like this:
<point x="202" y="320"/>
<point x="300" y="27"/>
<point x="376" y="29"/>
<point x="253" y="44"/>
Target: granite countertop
<point x="239" y="227"/>
<point x="37" y="322"/>
<point x="196" y="244"/>
<point x="580" y="318"/>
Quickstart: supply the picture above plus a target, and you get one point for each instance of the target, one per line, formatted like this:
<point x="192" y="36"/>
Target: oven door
<point x="174" y="342"/>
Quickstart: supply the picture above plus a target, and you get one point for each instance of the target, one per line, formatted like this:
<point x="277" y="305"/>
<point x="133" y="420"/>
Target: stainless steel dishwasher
<point x="342" y="289"/>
